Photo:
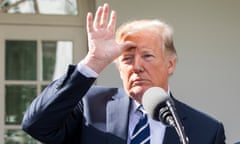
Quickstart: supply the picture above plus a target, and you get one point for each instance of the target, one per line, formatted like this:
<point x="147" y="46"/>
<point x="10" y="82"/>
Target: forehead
<point x="142" y="34"/>
<point x="144" y="39"/>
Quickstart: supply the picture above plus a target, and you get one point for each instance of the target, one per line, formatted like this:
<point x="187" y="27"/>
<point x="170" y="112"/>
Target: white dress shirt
<point x="157" y="129"/>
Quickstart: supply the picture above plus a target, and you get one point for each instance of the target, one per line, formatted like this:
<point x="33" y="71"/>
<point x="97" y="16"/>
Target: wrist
<point x="95" y="64"/>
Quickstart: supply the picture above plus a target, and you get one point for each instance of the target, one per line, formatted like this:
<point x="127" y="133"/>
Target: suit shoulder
<point x="199" y="126"/>
<point x="104" y="92"/>
<point x="98" y="90"/>
<point x="195" y="114"/>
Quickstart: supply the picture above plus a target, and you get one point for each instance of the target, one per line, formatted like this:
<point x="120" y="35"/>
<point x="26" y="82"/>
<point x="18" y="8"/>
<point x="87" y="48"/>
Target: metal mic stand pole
<point x="177" y="125"/>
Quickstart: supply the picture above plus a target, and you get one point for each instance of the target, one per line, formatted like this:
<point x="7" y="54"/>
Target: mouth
<point x="138" y="82"/>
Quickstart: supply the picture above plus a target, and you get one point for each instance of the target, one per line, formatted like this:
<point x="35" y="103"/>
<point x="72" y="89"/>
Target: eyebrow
<point x="130" y="49"/>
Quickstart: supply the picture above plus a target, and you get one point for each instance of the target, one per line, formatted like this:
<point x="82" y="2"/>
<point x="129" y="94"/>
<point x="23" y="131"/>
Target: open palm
<point x="103" y="48"/>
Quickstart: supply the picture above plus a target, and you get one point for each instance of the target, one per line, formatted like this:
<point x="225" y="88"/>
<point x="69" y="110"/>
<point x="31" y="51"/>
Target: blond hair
<point x="152" y="26"/>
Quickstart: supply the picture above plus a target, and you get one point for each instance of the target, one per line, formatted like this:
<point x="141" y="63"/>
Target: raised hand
<point x="103" y="48"/>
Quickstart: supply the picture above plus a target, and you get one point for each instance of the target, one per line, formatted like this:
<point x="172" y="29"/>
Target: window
<point x="28" y="69"/>
<point x="47" y="7"/>
<point x="34" y="50"/>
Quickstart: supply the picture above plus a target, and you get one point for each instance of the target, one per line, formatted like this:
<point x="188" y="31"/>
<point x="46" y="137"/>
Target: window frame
<point x="42" y="19"/>
<point x="12" y="24"/>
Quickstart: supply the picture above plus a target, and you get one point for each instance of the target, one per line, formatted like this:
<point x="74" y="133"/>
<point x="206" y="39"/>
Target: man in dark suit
<point x="71" y="110"/>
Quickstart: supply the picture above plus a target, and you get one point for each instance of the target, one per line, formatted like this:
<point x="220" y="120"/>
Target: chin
<point x="137" y="92"/>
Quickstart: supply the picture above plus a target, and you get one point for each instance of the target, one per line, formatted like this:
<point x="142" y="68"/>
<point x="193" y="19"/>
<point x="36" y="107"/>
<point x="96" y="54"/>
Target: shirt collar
<point x="135" y="104"/>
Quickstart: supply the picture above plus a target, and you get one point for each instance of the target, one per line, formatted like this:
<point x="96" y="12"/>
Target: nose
<point x="138" y="65"/>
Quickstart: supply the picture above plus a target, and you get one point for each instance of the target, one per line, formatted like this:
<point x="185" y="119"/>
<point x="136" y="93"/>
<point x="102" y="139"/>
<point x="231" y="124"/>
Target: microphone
<point x="161" y="107"/>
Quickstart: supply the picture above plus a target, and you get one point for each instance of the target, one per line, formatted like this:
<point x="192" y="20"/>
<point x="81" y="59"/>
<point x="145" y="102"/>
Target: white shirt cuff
<point x="86" y="71"/>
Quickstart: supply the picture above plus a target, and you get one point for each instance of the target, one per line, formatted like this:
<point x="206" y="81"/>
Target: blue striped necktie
<point x="141" y="132"/>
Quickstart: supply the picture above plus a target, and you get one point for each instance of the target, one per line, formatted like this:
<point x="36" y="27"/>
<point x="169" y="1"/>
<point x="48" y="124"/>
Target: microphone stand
<point x="177" y="124"/>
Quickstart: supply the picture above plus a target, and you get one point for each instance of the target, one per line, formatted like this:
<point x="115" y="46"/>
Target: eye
<point x="148" y="56"/>
<point x="127" y="59"/>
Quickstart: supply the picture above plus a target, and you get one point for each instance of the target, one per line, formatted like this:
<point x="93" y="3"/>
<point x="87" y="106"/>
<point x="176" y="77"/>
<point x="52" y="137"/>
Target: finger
<point x="89" y="22"/>
<point x="104" y="19"/>
<point x="98" y="16"/>
<point x="112" y="23"/>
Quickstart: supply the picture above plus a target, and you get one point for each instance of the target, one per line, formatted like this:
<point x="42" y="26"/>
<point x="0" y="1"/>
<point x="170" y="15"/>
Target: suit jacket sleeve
<point x="55" y="115"/>
<point x="220" y="135"/>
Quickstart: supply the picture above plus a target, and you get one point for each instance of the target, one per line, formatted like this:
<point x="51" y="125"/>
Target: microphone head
<point x="152" y="101"/>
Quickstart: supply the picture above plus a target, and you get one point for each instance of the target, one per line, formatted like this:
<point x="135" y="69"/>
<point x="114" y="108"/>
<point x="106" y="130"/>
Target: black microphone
<point x="161" y="107"/>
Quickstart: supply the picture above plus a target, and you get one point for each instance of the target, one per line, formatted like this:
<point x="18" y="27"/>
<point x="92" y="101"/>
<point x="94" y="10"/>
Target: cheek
<point x="158" y="73"/>
<point x="125" y="80"/>
<point x="124" y="73"/>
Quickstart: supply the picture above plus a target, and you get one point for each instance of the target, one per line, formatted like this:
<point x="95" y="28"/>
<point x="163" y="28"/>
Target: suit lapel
<point x="117" y="114"/>
<point x="171" y="136"/>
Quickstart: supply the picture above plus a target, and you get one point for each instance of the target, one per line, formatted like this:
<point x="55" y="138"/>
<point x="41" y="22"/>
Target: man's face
<point x="145" y="65"/>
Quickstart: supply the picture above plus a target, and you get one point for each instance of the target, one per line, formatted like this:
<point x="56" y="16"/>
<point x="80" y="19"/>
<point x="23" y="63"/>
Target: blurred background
<point x="39" y="38"/>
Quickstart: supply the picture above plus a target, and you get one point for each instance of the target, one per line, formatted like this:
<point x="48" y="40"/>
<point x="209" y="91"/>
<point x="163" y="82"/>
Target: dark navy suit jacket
<point x="73" y="111"/>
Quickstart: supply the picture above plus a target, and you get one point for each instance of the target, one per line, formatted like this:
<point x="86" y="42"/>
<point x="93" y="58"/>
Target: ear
<point x="172" y="62"/>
